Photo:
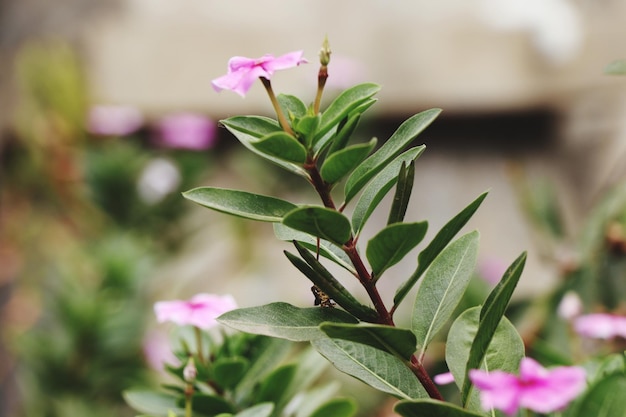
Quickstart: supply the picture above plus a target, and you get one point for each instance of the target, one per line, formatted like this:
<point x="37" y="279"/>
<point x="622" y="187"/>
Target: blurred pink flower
<point x="570" y="306"/>
<point x="601" y="326"/>
<point x="200" y="311"/>
<point x="444" y="378"/>
<point x="114" y="120"/>
<point x="242" y="72"/>
<point x="157" y="351"/>
<point x="491" y="269"/>
<point x="186" y="131"/>
<point x="536" y="388"/>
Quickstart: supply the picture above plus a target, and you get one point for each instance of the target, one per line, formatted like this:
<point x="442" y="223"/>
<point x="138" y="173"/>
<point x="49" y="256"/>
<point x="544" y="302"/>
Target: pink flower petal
<point x="498" y="390"/>
<point x="200" y="311"/>
<point x="186" y="131"/>
<point x="599" y="326"/>
<point x="444" y="378"/>
<point x="112" y="120"/>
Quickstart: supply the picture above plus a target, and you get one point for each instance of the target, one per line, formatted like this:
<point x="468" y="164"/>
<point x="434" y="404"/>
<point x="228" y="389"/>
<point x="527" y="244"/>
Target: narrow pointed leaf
<point x="391" y="244"/>
<point x="274" y="386"/>
<point x="398" y="342"/>
<point x="337" y="407"/>
<point x="344" y="103"/>
<point x="403" y="193"/>
<point x="258" y="410"/>
<point x="241" y="203"/>
<point x="379" y="187"/>
<point x="402" y="137"/>
<point x="431" y="408"/>
<point x="282" y="146"/>
<point x="321" y="222"/>
<point x="311" y="399"/>
<point x="291" y="105"/>
<point x="440" y="241"/>
<point x="342" y="162"/>
<point x="321" y="277"/>
<point x="602" y="398"/>
<point x="151" y="402"/>
<point x="443" y="287"/>
<point x="344" y="134"/>
<point x="375" y="367"/>
<point x="326" y="249"/>
<point x="284" y="320"/>
<point x="504" y="352"/>
<point x="491" y="314"/>
<point x="249" y="129"/>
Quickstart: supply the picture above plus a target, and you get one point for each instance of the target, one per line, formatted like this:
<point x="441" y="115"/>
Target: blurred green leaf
<point x="404" y="135"/>
<point x="342" y="106"/>
<point x="312" y="398"/>
<point x="378" y="188"/>
<point x="442" y="288"/>
<point x="274" y="387"/>
<point x="337" y="407"/>
<point x="229" y="371"/>
<point x="281" y="145"/>
<point x="374" y="367"/>
<point x="208" y="404"/>
<point x="603" y="399"/>
<point x="326" y="249"/>
<point x="431" y="408"/>
<point x="391" y="244"/>
<point x="490" y="315"/>
<point x="321" y="222"/>
<point x="249" y="129"/>
<point x="398" y="342"/>
<point x="291" y="105"/>
<point x="440" y="241"/>
<point x="151" y="402"/>
<point x="342" y="162"/>
<point x="309" y="366"/>
<point x="284" y="320"/>
<point x="616" y="67"/>
<point x="505" y="350"/>
<point x="259" y="410"/>
<point x="241" y="203"/>
<point x="401" y="198"/>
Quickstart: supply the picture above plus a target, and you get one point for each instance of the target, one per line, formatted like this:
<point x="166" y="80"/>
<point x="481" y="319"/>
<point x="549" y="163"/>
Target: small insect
<point x="321" y="298"/>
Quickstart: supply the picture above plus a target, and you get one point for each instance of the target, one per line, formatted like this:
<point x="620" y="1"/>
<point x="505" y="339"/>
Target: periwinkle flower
<point x="536" y="388"/>
<point x="242" y="71"/>
<point x="200" y="311"/>
<point x="186" y="131"/>
<point x="114" y="120"/>
<point x="601" y="326"/>
<point x="570" y="306"/>
<point x="159" y="178"/>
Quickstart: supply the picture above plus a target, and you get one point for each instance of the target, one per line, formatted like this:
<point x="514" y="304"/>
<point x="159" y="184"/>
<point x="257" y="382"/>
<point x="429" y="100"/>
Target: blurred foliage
<point x="84" y="242"/>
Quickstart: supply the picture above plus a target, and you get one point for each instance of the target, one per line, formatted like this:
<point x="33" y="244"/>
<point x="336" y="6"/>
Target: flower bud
<point x="325" y="53"/>
<point x="189" y="371"/>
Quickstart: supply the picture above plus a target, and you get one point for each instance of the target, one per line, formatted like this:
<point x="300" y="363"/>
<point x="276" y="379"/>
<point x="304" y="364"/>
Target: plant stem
<point x="322" y="76"/>
<point x="420" y="372"/>
<point x="198" y="334"/>
<point x="188" y="400"/>
<point x="279" y="112"/>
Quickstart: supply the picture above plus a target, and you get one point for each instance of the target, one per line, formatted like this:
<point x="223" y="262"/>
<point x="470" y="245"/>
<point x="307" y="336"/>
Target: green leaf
<point x="311" y="399"/>
<point x="326" y="249"/>
<point x="392" y="243"/>
<point x="440" y="241"/>
<point x="616" y="67"/>
<point x="284" y="320"/>
<point x="337" y="407"/>
<point x="267" y="353"/>
<point x="398" y="342"/>
<point x="275" y="385"/>
<point x="378" y="188"/>
<point x="405" y="134"/>
<point x="208" y="404"/>
<point x="505" y="351"/>
<point x="603" y="399"/>
<point x="321" y="222"/>
<point x="323" y="279"/>
<point x="442" y="288"/>
<point x="374" y="367"/>
<point x="491" y="313"/>
<point x="281" y="145"/>
<point x="241" y="203"/>
<point x="153" y="403"/>
<point x="431" y="408"/>
<point x="307" y="127"/>
<point x="249" y="129"/>
<point x="229" y="371"/>
<point x="291" y="105"/>
<point x="309" y="366"/>
<point x="344" y="133"/>
<point x="259" y="410"/>
<point x="342" y="162"/>
<point x="403" y="193"/>
<point x="343" y="104"/>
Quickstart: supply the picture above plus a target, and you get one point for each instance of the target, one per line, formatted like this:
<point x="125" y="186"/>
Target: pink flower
<point x="114" y="120"/>
<point x="536" y="388"/>
<point x="491" y="269"/>
<point x="200" y="311"/>
<point x="186" y="131"/>
<point x="444" y="378"/>
<point x="242" y="72"/>
<point x="157" y="351"/>
<point x="570" y="306"/>
<point x="601" y="326"/>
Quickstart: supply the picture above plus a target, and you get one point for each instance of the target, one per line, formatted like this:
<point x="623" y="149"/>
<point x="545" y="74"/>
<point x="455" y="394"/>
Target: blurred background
<point x="107" y="114"/>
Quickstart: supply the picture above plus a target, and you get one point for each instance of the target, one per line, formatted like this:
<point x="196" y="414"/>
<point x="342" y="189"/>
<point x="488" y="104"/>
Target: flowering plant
<point x="360" y="337"/>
